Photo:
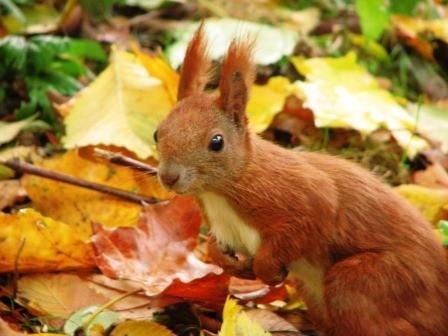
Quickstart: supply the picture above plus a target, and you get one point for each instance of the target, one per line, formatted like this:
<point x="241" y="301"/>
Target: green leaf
<point x="373" y="16"/>
<point x="87" y="49"/>
<point x="98" y="8"/>
<point x="43" y="49"/>
<point x="13" y="54"/>
<point x="105" y="318"/>
<point x="405" y="7"/>
<point x="442" y="228"/>
<point x="8" y="131"/>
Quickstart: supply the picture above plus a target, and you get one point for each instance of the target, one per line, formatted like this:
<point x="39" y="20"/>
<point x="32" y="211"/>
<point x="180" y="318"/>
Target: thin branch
<point x="27" y="168"/>
<point x="124" y="160"/>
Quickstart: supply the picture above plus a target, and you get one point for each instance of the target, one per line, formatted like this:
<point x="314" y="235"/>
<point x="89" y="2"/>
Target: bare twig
<point x="124" y="160"/>
<point x="27" y="168"/>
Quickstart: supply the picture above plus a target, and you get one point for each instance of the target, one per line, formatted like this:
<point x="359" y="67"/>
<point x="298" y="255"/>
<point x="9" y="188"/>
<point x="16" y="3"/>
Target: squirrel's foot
<point x="271" y="275"/>
<point x="228" y="261"/>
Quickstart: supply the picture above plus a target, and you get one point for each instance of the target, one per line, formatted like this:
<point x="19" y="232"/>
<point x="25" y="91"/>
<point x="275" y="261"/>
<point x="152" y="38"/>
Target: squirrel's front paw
<point x="270" y="274"/>
<point x="229" y="262"/>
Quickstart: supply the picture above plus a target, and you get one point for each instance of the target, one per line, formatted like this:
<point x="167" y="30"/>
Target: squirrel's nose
<point x="169" y="179"/>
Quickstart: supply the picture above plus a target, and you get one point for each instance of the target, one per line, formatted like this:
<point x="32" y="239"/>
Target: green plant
<point x="39" y="64"/>
<point x="374" y="14"/>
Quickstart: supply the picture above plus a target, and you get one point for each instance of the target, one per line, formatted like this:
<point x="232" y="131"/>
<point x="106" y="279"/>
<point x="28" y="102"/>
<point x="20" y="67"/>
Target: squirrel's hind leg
<point x="364" y="297"/>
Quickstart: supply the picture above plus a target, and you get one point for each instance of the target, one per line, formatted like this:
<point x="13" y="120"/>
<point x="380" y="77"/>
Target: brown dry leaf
<point x="156" y="252"/>
<point x="79" y="207"/>
<point x="140" y="328"/>
<point x="11" y="193"/>
<point x="32" y="242"/>
<point x="434" y="176"/>
<point x="271" y="322"/>
<point x="57" y="296"/>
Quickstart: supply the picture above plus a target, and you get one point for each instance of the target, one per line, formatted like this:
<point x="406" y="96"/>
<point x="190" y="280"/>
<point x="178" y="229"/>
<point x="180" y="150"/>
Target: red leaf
<point x="156" y="252"/>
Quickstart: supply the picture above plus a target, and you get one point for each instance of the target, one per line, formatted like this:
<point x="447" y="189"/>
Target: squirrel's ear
<point x="237" y="75"/>
<point x="195" y="70"/>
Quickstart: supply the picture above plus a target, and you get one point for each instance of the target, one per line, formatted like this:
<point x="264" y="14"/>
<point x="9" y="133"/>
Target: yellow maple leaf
<point x="79" y="207"/>
<point x="341" y="93"/>
<point x="237" y="323"/>
<point x="32" y="242"/>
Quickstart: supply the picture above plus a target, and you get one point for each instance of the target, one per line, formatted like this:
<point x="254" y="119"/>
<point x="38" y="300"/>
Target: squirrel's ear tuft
<point x="195" y="70"/>
<point x="237" y="76"/>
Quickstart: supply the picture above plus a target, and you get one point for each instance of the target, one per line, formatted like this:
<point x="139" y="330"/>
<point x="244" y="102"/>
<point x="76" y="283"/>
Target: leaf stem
<point x="27" y="168"/>
<point x="91" y="317"/>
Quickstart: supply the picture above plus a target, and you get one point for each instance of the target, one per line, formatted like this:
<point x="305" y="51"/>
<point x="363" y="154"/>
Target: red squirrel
<point x="368" y="263"/>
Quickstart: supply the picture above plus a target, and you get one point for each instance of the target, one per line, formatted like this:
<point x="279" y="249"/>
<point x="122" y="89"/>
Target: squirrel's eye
<point x="155" y="136"/>
<point x="216" y="143"/>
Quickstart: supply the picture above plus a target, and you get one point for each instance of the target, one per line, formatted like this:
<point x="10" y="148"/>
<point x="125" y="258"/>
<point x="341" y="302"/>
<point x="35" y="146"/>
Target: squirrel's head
<point x="204" y="142"/>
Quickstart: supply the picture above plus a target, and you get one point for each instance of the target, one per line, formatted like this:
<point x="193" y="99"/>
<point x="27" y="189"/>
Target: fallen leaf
<point x="266" y="101"/>
<point x="247" y="289"/>
<point x="211" y="289"/>
<point x="5" y="330"/>
<point x="79" y="207"/>
<point x="9" y="130"/>
<point x="50" y="296"/>
<point x="140" y="328"/>
<point x="156" y="252"/>
<point x="12" y="192"/>
<point x="39" y="19"/>
<point x="101" y="321"/>
<point x="122" y="107"/>
<point x="432" y="121"/>
<point x="271" y="322"/>
<point x="32" y="242"/>
<point x="341" y="93"/>
<point x="237" y="323"/>
<point x="434" y="176"/>
<point x="412" y="29"/>
<point x="272" y="43"/>
<point x="432" y="203"/>
<point x="157" y="67"/>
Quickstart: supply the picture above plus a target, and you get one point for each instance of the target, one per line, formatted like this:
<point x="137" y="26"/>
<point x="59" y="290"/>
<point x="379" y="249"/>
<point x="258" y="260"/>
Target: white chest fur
<point x="227" y="225"/>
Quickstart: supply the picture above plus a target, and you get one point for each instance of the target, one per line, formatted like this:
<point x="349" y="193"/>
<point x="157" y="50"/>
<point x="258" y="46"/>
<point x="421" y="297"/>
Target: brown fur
<point x="196" y="68"/>
<point x="384" y="272"/>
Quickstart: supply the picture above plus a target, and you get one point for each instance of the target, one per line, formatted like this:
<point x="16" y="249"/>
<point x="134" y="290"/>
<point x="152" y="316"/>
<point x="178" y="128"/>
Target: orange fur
<point x="196" y="68"/>
<point x="367" y="261"/>
<point x="238" y="59"/>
